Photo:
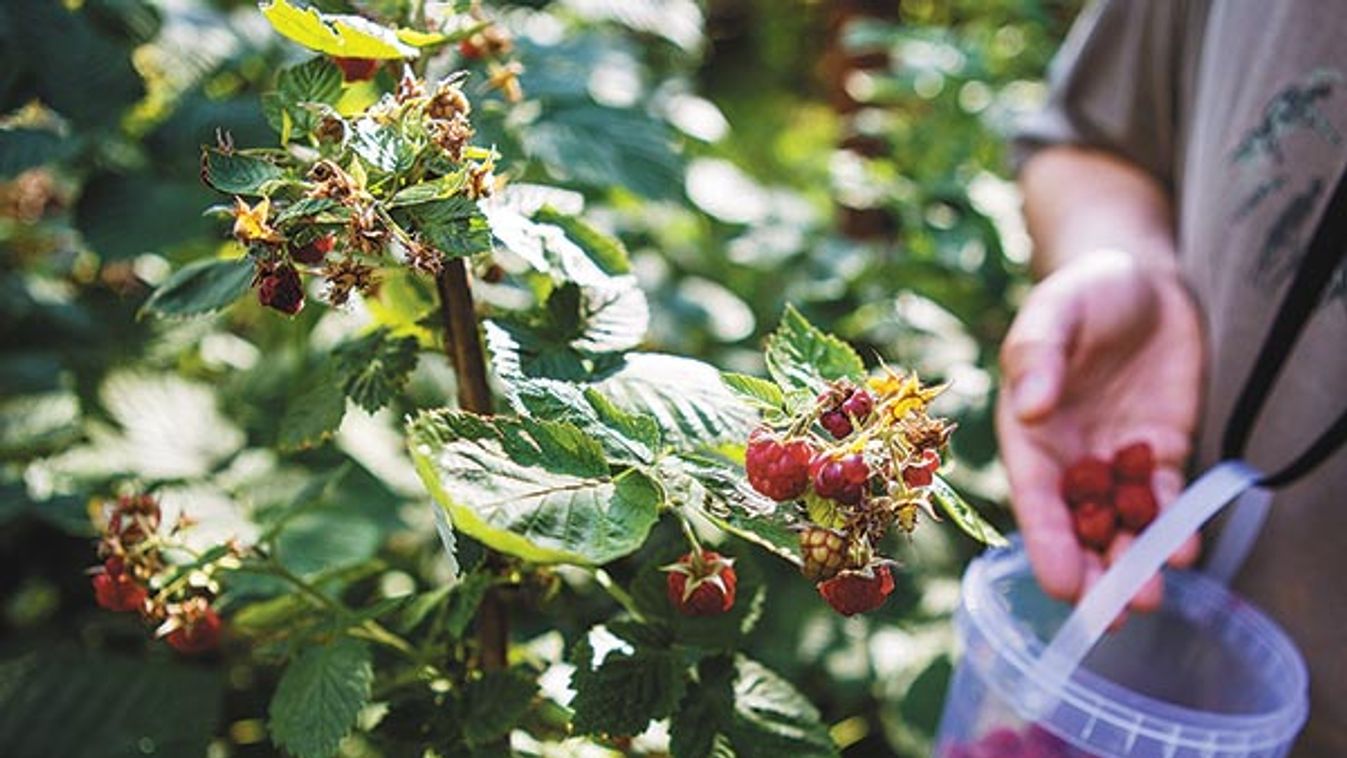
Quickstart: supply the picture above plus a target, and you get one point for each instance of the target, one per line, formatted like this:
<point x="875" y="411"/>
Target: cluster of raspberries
<point x="1106" y="498"/>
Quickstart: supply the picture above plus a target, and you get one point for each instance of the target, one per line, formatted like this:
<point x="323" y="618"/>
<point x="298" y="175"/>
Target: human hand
<point x="1104" y="352"/>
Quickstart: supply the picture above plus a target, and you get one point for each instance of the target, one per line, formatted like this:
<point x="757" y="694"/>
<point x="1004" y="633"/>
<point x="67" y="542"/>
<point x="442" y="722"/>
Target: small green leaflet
<point x="626" y="437"/>
<point x="236" y="173"/>
<point x="539" y="490"/>
<point x="319" y="696"/>
<point x="799" y="356"/>
<point x="494" y="704"/>
<point x="337" y="35"/>
<point x="626" y="691"/>
<point x="760" y="392"/>
<point x="964" y="516"/>
<point x="373" y="368"/>
<point x="200" y="287"/>
<point x="314" y="412"/>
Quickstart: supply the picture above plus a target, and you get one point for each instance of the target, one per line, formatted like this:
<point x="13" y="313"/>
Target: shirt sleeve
<point x="1115" y="85"/>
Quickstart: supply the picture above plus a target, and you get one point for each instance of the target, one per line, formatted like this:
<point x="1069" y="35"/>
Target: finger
<point x="1034" y="354"/>
<point x="1150" y="595"/>
<point x="1040" y="511"/>
<point x="1168" y="482"/>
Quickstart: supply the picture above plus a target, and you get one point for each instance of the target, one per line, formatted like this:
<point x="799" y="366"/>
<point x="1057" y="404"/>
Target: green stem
<point x="614" y="589"/>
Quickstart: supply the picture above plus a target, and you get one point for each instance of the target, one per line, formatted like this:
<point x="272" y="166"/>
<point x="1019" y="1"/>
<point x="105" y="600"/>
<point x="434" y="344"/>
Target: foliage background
<point x="844" y="156"/>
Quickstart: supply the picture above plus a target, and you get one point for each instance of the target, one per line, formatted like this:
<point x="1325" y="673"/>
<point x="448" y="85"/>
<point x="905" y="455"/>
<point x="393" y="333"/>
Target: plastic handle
<point x="1239" y="534"/>
<point x="1096" y="611"/>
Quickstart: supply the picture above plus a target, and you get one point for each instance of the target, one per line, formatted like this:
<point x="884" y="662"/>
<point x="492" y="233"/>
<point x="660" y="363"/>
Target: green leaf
<point x="40" y="424"/>
<point x="799" y="356"/>
<point x="22" y="149"/>
<point x="607" y="252"/>
<point x="382" y="146"/>
<point x="635" y="151"/>
<point x="539" y="490"/>
<point x="319" y="696"/>
<point x="626" y="691"/>
<point x="123" y="216"/>
<point x="626" y="437"/>
<point x="337" y="35"/>
<point x="77" y="705"/>
<point x="685" y="397"/>
<point x="324" y="539"/>
<point x="453" y="226"/>
<point x="717" y="489"/>
<point x="200" y="287"/>
<point x="313" y="414"/>
<point x="317" y="80"/>
<point x="964" y="515"/>
<point x="373" y="368"/>
<point x="235" y="173"/>
<point x="494" y="704"/>
<point x="463" y="602"/>
<point x="760" y="392"/>
<point x="755" y="711"/>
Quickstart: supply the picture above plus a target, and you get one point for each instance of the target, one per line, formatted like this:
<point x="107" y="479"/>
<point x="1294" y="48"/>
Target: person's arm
<point x="1106" y="350"/>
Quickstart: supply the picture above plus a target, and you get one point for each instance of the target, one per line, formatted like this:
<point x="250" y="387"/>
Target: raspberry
<point x="857" y="590"/>
<point x="313" y="253"/>
<point x="859" y="404"/>
<point x="116" y="590"/>
<point x="1095" y="524"/>
<point x="701" y="584"/>
<point x="133" y="518"/>
<point x="824" y="551"/>
<point x="842" y="479"/>
<point x="470" y="50"/>
<point x="198" y="634"/>
<point x="1134" y="463"/>
<point x="281" y="289"/>
<point x="1136" y="505"/>
<point x="1087" y="479"/>
<point x="837" y="423"/>
<point x="923" y="473"/>
<point x="777" y="469"/>
<point x="357" y="69"/>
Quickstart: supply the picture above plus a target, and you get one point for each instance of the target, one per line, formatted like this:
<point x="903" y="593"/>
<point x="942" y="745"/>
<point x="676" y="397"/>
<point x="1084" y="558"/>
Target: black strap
<point x="1325" y="253"/>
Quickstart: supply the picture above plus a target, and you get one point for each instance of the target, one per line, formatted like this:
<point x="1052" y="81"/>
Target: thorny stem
<point x="464" y="346"/>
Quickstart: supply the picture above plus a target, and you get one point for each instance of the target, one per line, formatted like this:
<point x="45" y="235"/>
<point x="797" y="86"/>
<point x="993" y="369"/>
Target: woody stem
<point x="463" y="343"/>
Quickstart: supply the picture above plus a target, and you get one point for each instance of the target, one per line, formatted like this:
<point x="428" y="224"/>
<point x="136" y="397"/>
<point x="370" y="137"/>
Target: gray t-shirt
<point x="1240" y="108"/>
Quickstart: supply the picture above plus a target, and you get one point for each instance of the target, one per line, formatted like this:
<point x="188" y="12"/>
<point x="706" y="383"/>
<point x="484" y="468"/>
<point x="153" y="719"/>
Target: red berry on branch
<point x="859" y="404"/>
<point x="357" y="69"/>
<point x="198" y="635"/>
<point x="314" y="251"/>
<point x="281" y="289"/>
<point x="923" y="473"/>
<point x="1095" y="524"/>
<point x="1134" y="463"/>
<point x="837" y="423"/>
<point x="1087" y="479"/>
<point x="824" y="552"/>
<point x="858" y="590"/>
<point x="777" y="468"/>
<point x="1136" y="505"/>
<point x="701" y="584"/>
<point x="118" y="591"/>
<point x="840" y="478"/>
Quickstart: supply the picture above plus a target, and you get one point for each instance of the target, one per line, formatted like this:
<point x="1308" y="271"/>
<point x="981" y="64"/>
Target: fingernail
<point x="1032" y="392"/>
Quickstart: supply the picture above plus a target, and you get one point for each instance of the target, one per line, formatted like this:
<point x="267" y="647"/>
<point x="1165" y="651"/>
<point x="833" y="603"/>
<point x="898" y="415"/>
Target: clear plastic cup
<point x="1207" y="676"/>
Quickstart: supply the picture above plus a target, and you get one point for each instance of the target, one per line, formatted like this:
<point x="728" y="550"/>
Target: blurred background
<point x="846" y="156"/>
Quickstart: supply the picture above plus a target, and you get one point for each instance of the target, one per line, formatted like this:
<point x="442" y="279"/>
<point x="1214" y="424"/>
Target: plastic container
<point x="1207" y="676"/>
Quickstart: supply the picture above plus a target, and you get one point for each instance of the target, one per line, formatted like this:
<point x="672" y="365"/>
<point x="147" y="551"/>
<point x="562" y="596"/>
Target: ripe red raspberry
<point x="840" y="478"/>
<point x="702" y="584"/>
<point x="357" y="69"/>
<point x="776" y="468"/>
<point x="836" y="422"/>
<point x="314" y="251"/>
<point x="198" y="634"/>
<point x="923" y="473"/>
<point x="1136" y="505"/>
<point x="1134" y="463"/>
<point x="859" y="404"/>
<point x="857" y="590"/>
<point x="824" y="551"/>
<point x="116" y="590"/>
<point x="1087" y="479"/>
<point x="282" y="290"/>
<point x="1095" y="524"/>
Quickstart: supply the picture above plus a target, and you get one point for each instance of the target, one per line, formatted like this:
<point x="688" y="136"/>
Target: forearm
<point x="1078" y="201"/>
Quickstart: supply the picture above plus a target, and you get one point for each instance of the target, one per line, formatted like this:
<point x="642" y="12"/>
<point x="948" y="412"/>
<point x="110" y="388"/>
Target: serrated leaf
<point x="494" y="704"/>
<point x="717" y="490"/>
<point x="964" y="515"/>
<point x="760" y="392"/>
<point x="436" y="189"/>
<point x="771" y="717"/>
<point x="235" y="173"/>
<point x="607" y="252"/>
<point x="684" y="396"/>
<point x="78" y="705"/>
<point x="337" y="35"/>
<point x="319" y="696"/>
<point x="313" y="414"/>
<point x="317" y="80"/>
<point x="200" y="287"/>
<point x="454" y="226"/>
<point x="626" y="691"/>
<point x="626" y="437"/>
<point x="800" y="356"/>
<point x="382" y="146"/>
<point x="538" y="490"/>
<point x="22" y="149"/>
<point x="373" y="368"/>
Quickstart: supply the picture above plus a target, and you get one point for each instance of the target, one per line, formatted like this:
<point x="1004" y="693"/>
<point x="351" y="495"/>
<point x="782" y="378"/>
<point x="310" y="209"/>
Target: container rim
<point x="1180" y="726"/>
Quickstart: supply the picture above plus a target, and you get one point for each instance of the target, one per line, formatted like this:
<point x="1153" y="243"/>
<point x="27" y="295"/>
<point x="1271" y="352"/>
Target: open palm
<point x="1103" y="353"/>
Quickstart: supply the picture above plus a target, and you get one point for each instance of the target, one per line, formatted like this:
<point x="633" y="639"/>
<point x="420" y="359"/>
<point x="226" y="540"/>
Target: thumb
<point x="1034" y="354"/>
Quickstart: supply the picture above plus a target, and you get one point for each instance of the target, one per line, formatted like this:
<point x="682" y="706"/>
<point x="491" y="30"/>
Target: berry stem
<point x="690" y="534"/>
<point x="614" y="589"/>
<point x="463" y="343"/>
